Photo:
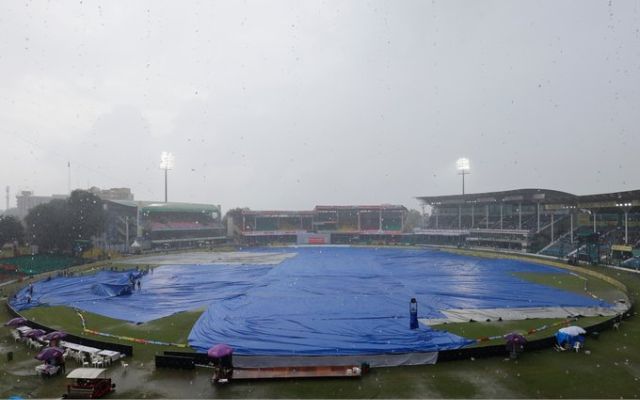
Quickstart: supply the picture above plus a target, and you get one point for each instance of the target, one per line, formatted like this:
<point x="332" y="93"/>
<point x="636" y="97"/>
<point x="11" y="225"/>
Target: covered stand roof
<point x="276" y="213"/>
<point x="179" y="207"/>
<point x="615" y="197"/>
<point x="507" y="196"/>
<point x="383" y="207"/>
<point x="154" y="206"/>
<point x="611" y="200"/>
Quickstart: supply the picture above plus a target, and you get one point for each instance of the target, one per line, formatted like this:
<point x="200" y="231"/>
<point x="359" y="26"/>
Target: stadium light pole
<point x="166" y="163"/>
<point x="463" y="169"/>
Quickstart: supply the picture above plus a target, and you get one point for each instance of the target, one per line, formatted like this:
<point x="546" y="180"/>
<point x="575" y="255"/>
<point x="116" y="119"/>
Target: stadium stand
<point x="337" y="224"/>
<point x="161" y="225"/>
<point x="533" y="220"/>
<point x="180" y="225"/>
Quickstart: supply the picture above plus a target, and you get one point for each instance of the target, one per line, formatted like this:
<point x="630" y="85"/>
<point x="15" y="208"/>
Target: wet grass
<point x="580" y="284"/>
<point x="172" y="329"/>
<point x="475" y="330"/>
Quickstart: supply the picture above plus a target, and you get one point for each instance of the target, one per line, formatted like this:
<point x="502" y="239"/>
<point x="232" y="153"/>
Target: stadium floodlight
<point x="167" y="161"/>
<point x="463" y="169"/>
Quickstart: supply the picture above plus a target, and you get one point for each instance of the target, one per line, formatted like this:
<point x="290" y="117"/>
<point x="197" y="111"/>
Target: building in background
<point x="113" y="193"/>
<point x="26" y="201"/>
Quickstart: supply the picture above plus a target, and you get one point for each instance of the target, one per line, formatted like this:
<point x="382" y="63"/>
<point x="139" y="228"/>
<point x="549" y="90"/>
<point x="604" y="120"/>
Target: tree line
<point x="59" y="225"/>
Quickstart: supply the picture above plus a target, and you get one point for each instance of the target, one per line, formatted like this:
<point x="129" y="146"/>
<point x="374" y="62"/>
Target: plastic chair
<point x="83" y="360"/>
<point x="96" y="361"/>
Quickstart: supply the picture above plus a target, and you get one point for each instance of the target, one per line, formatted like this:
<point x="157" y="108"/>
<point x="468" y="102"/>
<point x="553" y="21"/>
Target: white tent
<point x="572" y="330"/>
<point x="87" y="373"/>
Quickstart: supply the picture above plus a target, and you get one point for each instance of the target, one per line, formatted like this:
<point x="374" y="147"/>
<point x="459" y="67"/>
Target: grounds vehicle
<point x="88" y="383"/>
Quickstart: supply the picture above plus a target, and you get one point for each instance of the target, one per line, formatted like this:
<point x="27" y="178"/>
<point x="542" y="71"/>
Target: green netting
<point x="32" y="265"/>
<point x="266" y="224"/>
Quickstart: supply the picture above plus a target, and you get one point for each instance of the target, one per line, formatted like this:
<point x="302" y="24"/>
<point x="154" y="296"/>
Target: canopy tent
<point x="573" y="330"/>
<point x="569" y="336"/>
<point x="87" y="373"/>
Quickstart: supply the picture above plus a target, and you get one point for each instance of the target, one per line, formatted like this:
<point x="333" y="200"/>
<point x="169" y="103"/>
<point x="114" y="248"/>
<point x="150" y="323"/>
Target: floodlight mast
<point x="463" y="169"/>
<point x="166" y="163"/>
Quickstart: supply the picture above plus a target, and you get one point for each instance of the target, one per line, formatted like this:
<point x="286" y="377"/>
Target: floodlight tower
<point x="166" y="163"/>
<point x="463" y="169"/>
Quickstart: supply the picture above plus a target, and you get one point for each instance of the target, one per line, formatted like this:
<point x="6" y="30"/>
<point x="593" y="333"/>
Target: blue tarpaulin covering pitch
<point x="325" y="300"/>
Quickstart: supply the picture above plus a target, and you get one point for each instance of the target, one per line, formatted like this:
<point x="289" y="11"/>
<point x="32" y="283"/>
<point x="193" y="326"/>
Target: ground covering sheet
<point x="316" y="301"/>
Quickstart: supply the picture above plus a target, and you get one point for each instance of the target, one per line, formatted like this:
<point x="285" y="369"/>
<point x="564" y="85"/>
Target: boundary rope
<point x="126" y="338"/>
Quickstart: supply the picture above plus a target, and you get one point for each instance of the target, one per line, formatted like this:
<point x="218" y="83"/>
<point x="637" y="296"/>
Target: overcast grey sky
<point x="289" y="104"/>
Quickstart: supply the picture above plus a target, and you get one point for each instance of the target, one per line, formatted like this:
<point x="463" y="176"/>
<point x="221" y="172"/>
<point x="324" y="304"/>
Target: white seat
<point x="82" y="359"/>
<point x="97" y="361"/>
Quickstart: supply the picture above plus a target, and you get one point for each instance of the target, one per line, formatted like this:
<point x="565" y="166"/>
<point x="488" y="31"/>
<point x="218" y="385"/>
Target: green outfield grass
<point x="172" y="329"/>
<point x="581" y="284"/>
<point x="475" y="330"/>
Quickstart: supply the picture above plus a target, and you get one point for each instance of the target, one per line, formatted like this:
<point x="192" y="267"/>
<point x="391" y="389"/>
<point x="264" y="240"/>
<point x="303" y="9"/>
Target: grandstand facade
<point x="161" y="225"/>
<point x="541" y="221"/>
<point x="324" y="225"/>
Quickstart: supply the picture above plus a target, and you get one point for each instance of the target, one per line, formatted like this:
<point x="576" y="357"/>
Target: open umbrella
<point x="515" y="344"/>
<point x="15" y="322"/>
<point x="34" y="333"/>
<point x="55" y="335"/>
<point x="219" y="351"/>
<point x="49" y="353"/>
<point x="573" y="330"/>
<point x="515" y="338"/>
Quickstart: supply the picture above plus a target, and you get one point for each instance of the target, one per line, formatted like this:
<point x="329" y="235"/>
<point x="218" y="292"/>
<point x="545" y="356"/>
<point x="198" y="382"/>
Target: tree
<point x="49" y="226"/>
<point x="87" y="215"/>
<point x="235" y="215"/>
<point x="11" y="230"/>
<point x="413" y="220"/>
<point x="57" y="225"/>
